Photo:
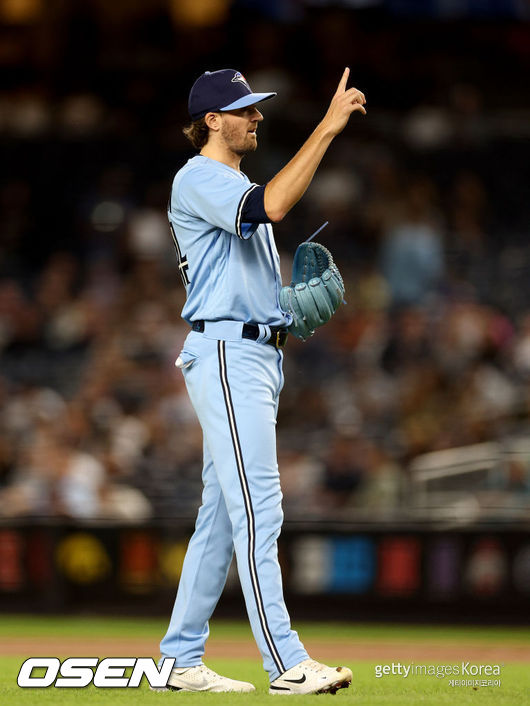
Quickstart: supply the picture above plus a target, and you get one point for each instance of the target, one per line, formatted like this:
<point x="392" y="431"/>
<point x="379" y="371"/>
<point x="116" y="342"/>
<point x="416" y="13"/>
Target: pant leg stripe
<point x="248" y="508"/>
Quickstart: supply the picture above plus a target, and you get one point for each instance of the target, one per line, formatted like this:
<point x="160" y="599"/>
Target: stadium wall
<point x="478" y="573"/>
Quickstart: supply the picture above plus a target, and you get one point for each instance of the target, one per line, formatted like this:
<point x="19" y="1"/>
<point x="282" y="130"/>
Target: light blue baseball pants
<point x="234" y="385"/>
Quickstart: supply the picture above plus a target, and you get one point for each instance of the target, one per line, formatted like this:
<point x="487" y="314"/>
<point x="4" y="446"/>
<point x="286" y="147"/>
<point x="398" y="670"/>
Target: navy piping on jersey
<point x="240" y="210"/>
<point x="248" y="509"/>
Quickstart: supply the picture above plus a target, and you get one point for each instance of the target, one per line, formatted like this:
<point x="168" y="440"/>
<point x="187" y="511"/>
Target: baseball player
<point x="232" y="365"/>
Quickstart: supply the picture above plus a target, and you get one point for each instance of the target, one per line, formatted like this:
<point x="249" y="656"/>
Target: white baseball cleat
<point x="200" y="678"/>
<point x="310" y="677"/>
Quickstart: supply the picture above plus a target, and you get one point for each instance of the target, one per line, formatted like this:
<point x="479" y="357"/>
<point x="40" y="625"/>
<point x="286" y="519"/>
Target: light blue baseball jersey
<point x="231" y="269"/>
<point x="231" y="272"/>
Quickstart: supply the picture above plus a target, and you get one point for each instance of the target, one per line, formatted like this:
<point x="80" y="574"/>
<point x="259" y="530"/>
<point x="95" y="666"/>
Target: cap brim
<point x="247" y="100"/>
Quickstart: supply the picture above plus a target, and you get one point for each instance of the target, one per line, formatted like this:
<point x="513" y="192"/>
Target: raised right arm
<point x="289" y="185"/>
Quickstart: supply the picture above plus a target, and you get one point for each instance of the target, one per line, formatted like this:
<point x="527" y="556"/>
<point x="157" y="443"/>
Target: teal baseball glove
<point x="316" y="291"/>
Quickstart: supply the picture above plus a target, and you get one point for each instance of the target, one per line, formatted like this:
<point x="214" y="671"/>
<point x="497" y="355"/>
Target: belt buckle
<point x="281" y="339"/>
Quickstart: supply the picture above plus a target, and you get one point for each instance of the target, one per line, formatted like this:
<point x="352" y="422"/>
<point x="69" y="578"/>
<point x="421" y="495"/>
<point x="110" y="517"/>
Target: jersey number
<point x="182" y="259"/>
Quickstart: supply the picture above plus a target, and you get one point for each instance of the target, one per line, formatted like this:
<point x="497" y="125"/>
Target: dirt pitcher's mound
<point x="339" y="651"/>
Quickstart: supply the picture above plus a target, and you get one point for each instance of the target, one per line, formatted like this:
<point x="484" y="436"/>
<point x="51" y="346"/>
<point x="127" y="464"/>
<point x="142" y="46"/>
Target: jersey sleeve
<point x="217" y="198"/>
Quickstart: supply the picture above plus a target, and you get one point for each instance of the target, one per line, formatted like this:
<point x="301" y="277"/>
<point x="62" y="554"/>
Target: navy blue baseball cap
<point x="216" y="91"/>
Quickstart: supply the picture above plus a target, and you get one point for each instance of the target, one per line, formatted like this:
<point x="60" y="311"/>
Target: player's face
<point x="238" y="129"/>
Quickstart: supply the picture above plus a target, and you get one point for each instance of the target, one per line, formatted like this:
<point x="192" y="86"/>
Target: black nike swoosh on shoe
<point x="280" y="688"/>
<point x="297" y="681"/>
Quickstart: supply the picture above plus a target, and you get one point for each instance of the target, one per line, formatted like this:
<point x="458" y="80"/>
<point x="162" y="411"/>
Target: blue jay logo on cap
<point x="238" y="76"/>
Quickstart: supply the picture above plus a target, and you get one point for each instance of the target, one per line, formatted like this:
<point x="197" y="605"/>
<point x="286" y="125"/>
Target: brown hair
<point x="197" y="133"/>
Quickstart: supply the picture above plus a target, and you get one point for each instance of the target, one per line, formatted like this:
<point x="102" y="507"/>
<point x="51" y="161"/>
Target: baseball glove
<point x="316" y="291"/>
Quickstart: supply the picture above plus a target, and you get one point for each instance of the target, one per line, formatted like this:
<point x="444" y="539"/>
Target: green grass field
<point x="366" y="688"/>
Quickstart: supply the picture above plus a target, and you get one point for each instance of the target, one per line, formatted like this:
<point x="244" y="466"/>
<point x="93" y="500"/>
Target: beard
<point x="237" y="142"/>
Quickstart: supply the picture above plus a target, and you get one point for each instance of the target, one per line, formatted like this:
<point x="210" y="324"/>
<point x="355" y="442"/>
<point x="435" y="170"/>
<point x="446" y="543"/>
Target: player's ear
<point x="213" y="121"/>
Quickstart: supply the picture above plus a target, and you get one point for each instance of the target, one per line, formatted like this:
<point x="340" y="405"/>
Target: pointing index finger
<point x="344" y="80"/>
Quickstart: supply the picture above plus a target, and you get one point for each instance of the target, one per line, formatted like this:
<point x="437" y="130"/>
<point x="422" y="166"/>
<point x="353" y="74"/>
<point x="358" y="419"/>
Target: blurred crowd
<point x="428" y="222"/>
<point x="95" y="420"/>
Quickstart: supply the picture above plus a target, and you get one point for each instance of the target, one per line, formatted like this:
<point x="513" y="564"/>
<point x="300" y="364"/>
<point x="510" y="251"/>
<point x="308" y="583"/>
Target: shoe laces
<point x="198" y="674"/>
<point x="203" y="669"/>
<point x="315" y="666"/>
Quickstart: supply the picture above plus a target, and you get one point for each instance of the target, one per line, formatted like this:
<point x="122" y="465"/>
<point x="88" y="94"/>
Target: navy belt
<point x="278" y="337"/>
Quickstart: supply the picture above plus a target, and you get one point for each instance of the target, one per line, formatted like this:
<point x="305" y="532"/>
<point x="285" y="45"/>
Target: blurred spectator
<point x="301" y="477"/>
<point x="345" y="466"/>
<point x="384" y="484"/>
<point x="412" y="258"/>
<point x="53" y="479"/>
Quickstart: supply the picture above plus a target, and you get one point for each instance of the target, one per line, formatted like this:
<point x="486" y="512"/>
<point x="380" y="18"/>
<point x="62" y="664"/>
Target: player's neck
<point x="222" y="154"/>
